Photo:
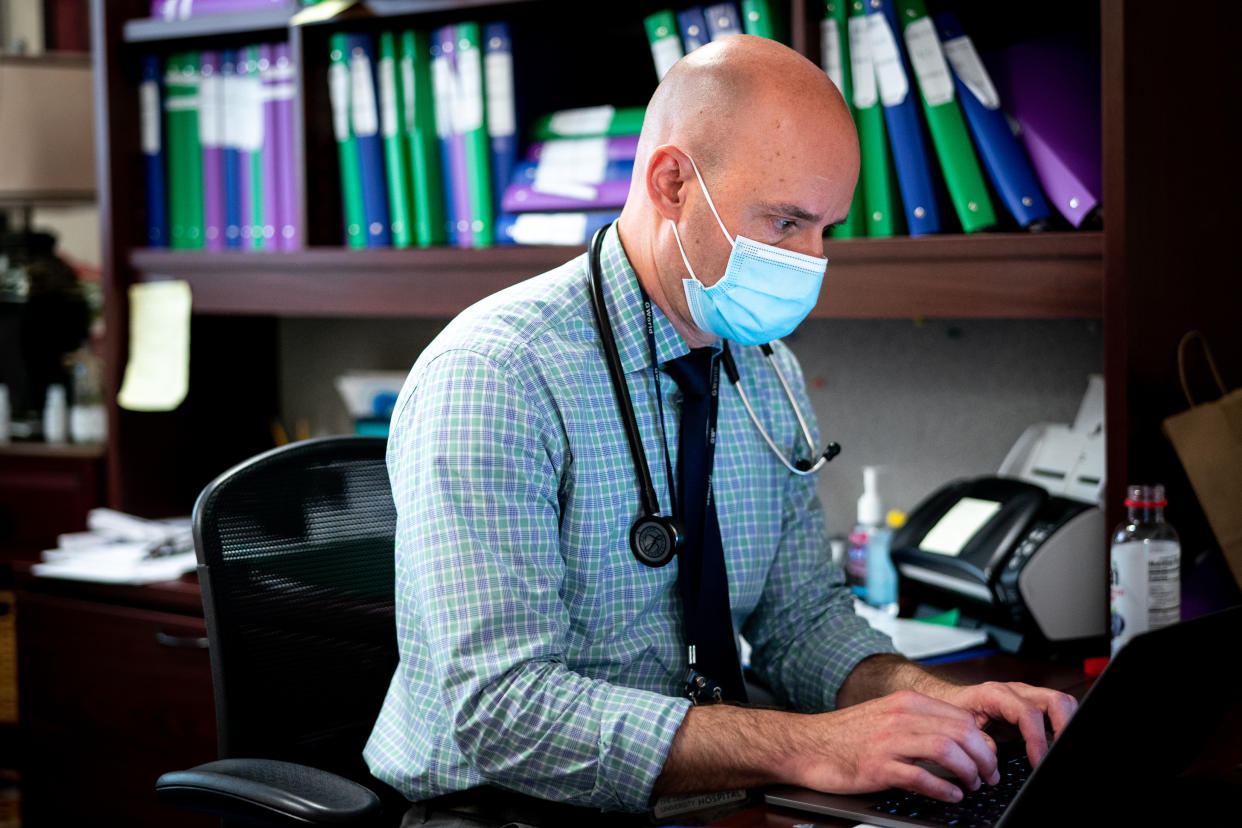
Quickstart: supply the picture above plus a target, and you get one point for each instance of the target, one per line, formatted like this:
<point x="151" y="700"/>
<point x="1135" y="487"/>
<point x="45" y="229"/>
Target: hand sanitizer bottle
<point x="1145" y="563"/>
<point x="881" y="574"/>
<point x="870" y="518"/>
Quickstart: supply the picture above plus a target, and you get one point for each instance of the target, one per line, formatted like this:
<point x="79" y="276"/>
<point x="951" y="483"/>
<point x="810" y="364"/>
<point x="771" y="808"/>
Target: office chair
<point x="295" y="564"/>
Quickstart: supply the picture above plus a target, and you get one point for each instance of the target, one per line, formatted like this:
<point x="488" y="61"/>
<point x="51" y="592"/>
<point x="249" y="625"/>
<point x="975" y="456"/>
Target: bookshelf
<point x="1154" y="271"/>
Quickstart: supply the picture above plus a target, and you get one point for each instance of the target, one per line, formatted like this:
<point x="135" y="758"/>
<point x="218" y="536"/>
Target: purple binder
<point x="620" y="148"/>
<point x="184" y="9"/>
<point x="287" y="234"/>
<point x="271" y="147"/>
<point x="1051" y="87"/>
<point x="458" y="174"/>
<point x="210" y="131"/>
<point x="524" y="198"/>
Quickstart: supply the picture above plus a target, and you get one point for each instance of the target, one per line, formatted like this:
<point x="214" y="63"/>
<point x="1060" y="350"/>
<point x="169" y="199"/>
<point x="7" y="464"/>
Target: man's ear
<point x="668" y="169"/>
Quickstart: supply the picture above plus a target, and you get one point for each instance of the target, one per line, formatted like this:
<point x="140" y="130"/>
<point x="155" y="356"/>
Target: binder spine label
<point x="209" y="111"/>
<point x="862" y="68"/>
<point x="830" y="41"/>
<point x="408" y="93"/>
<point x="362" y="98"/>
<point x="501" y="117"/>
<point x="889" y="73"/>
<point x="388" y="97"/>
<point x="966" y="63"/>
<point x="442" y="80"/>
<point x="665" y="51"/>
<point x="250" y="125"/>
<point x="928" y="61"/>
<point x="468" y="100"/>
<point x="585" y="121"/>
<point x="338" y="93"/>
<point x="149" y="105"/>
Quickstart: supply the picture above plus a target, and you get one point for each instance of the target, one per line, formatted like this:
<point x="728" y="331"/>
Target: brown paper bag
<point x="1208" y="439"/>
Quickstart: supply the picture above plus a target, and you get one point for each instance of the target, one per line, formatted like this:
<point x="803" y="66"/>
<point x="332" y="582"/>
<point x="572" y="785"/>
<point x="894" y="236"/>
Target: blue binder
<point x="905" y="132"/>
<point x="152" y="123"/>
<point x="232" y="156"/>
<point x="364" y="116"/>
<point x="1004" y="160"/>
<point x="693" y="26"/>
<point x="501" y="106"/>
<point x="722" y="19"/>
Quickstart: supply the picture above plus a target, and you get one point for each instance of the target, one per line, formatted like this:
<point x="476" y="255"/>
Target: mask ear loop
<point x="710" y="203"/>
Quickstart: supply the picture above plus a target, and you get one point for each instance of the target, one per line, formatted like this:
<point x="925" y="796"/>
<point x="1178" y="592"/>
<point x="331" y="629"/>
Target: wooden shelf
<point x="1055" y="275"/>
<point x="153" y="29"/>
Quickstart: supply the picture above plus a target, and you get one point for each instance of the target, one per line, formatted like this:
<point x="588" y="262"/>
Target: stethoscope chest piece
<point x="655" y="539"/>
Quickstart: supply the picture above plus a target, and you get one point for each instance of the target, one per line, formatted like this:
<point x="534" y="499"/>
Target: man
<point x="536" y="654"/>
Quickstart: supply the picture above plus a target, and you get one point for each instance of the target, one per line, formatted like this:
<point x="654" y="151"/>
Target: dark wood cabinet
<point x="114" y="689"/>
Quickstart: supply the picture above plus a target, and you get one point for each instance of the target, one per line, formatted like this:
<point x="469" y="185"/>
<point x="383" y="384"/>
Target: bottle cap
<point x="895" y="518"/>
<point x="1094" y="666"/>
<point x="1145" y="497"/>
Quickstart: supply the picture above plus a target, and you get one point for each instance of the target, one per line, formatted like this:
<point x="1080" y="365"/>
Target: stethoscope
<point x="656" y="538"/>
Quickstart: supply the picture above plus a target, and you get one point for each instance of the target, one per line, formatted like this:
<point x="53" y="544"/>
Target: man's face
<point x="783" y="183"/>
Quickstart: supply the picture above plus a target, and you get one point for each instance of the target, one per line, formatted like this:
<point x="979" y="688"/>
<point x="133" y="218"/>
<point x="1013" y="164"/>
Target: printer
<point x="1024" y="552"/>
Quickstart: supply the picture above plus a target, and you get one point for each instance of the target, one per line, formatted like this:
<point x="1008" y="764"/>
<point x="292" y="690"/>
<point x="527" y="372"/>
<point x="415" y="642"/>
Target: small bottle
<point x="1145" y="568"/>
<point x="55" y="415"/>
<point x="5" y="414"/>
<point x="881" y="574"/>
<point x="870" y="518"/>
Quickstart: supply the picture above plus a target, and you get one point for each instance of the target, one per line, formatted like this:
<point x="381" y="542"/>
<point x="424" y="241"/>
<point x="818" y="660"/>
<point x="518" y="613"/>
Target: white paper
<point x="830" y="43"/>
<point x="157" y="373"/>
<point x="928" y="61"/>
<point x="862" y="68"/>
<point x="588" y="120"/>
<point x="550" y="228"/>
<point x="953" y="531"/>
<point x="919" y="639"/>
<point x="889" y="72"/>
<point x="969" y="67"/>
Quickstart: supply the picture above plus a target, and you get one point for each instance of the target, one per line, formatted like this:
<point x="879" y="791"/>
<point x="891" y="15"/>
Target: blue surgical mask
<point x="766" y="291"/>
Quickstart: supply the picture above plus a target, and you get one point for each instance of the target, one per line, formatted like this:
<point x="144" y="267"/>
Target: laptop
<point x="1156" y="740"/>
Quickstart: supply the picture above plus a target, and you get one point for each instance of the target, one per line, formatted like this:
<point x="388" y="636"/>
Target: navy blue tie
<point x="702" y="577"/>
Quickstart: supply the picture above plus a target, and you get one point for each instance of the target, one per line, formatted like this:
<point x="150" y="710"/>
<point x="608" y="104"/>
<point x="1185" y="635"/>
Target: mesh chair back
<point x="295" y="553"/>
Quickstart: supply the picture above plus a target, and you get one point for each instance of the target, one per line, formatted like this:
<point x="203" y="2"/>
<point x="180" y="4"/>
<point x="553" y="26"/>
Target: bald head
<point x="745" y="136"/>
<point x="737" y="89"/>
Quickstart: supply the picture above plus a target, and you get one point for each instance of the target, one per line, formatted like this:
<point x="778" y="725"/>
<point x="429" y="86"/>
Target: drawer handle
<point x="189" y="642"/>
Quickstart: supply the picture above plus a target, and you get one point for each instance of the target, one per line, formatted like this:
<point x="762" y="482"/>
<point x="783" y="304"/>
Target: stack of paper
<point x="121" y="549"/>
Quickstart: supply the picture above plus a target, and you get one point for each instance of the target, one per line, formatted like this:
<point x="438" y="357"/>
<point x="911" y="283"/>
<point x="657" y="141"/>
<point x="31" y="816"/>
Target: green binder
<point x="347" y="152"/>
<point x="882" y="213"/>
<point x="252" y="236"/>
<point x="664" y="39"/>
<point x="590" y="122"/>
<point x="962" y="174"/>
<point x="419" y="129"/>
<point x="765" y="18"/>
<point x="836" y="62"/>
<point x="185" y="154"/>
<point x="471" y="121"/>
<point x="396" y="148"/>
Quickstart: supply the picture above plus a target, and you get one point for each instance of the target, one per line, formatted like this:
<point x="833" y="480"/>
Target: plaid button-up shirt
<point x="536" y="653"/>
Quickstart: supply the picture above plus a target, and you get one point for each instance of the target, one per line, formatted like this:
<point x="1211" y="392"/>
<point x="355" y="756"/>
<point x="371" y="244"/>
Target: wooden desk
<point x="114" y="688"/>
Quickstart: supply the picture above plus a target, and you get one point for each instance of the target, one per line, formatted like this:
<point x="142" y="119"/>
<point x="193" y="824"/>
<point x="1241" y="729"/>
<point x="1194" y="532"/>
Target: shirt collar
<point x="624" y="300"/>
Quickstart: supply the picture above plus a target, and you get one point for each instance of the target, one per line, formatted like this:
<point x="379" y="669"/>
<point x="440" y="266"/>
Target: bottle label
<point x="856" y="562"/>
<point x="1145" y="588"/>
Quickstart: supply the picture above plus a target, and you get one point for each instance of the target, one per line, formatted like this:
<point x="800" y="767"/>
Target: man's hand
<point x="1019" y="704"/>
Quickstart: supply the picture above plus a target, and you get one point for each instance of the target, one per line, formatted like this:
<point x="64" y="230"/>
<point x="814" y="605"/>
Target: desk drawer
<point x="109" y="697"/>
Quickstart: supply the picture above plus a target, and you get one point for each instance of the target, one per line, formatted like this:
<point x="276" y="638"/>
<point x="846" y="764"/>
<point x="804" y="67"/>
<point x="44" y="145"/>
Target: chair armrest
<point x="269" y="792"/>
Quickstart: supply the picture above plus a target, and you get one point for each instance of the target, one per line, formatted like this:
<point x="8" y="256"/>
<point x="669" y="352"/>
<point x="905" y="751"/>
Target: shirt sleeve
<point x="480" y="572"/>
<point x="804" y="633"/>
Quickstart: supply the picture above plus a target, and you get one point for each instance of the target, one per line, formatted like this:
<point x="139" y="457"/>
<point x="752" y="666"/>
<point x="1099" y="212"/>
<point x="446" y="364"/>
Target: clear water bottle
<point x="1145" y="562"/>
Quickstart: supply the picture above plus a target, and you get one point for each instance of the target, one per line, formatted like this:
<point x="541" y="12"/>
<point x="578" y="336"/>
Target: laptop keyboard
<point x="977" y="808"/>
